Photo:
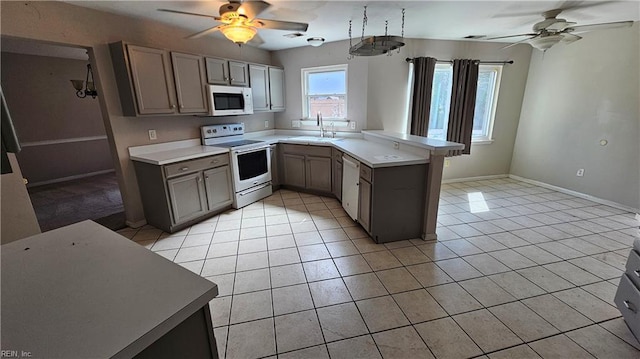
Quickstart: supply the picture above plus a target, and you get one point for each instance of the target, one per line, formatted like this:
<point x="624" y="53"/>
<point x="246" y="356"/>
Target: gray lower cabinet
<point x="337" y="174"/>
<point x="307" y="167"/>
<point x="188" y="197"/>
<point x="177" y="195"/>
<point x="275" y="167"/>
<point x="391" y="201"/>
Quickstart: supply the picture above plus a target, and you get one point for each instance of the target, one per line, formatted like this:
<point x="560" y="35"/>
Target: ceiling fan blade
<point x="204" y="32"/>
<point x="568" y="38"/>
<point x="603" y="26"/>
<point x="190" y="13"/>
<point x="280" y="25"/>
<point x="518" y="42"/>
<point x="508" y="36"/>
<point x="251" y="9"/>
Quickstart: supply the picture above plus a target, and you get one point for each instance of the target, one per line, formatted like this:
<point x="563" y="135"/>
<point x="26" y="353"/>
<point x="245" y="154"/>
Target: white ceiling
<point x="449" y="20"/>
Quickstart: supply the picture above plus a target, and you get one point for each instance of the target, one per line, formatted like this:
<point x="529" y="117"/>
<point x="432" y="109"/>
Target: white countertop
<point x="83" y="291"/>
<point x="372" y="153"/>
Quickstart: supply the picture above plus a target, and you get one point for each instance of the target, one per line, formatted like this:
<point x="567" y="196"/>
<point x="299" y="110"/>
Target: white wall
<point x="18" y="219"/>
<point x="576" y="96"/>
<point x="379" y="85"/>
<point x="61" y="23"/>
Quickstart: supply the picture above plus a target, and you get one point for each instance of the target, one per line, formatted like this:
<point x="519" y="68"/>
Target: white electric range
<point x="250" y="161"/>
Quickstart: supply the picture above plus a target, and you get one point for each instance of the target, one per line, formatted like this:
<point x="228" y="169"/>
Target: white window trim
<point x="305" y="110"/>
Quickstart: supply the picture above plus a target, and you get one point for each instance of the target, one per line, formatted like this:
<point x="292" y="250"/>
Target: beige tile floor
<point x="519" y="271"/>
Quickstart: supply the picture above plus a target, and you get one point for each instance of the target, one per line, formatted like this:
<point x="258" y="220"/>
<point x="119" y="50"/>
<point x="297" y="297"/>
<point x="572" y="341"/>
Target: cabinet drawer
<point x="179" y="168"/>
<point x="365" y="172"/>
<point x="318" y="151"/>
<point x="628" y="302"/>
<point x="633" y="267"/>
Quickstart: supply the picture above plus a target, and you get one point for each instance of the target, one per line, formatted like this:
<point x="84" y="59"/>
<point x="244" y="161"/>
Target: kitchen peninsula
<point x="399" y="173"/>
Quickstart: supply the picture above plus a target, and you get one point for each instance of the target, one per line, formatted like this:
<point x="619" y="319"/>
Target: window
<point x="324" y="90"/>
<point x="486" y="99"/>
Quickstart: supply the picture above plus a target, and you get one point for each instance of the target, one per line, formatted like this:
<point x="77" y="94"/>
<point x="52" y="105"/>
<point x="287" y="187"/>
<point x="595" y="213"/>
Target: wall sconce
<point x="90" y="89"/>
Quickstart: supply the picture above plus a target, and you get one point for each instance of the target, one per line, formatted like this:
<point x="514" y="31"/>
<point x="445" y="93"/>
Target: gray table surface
<point x="83" y="291"/>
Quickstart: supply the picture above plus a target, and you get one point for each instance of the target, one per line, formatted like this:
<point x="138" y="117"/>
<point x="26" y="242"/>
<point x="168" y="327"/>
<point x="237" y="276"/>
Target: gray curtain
<point x="463" y="104"/>
<point x="423" y="69"/>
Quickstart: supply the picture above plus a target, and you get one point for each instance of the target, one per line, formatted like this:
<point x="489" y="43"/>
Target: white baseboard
<point x="69" y="178"/>
<point x="577" y="194"/>
<point x="476" y="178"/>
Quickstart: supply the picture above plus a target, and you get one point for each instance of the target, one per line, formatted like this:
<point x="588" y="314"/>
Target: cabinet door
<point x="189" y="74"/>
<point x="152" y="82"/>
<point x="337" y="180"/>
<point x="188" y="198"/>
<point x="294" y="170"/>
<point x="276" y="88"/>
<point x="364" y="204"/>
<point x="217" y="71"/>
<point x="259" y="87"/>
<point x="218" y="187"/>
<point x="275" y="176"/>
<point x="238" y="73"/>
<point x="319" y="173"/>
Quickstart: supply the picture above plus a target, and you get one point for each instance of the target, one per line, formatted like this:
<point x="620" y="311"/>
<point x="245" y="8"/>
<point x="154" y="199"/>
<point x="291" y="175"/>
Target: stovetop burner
<point x="236" y="143"/>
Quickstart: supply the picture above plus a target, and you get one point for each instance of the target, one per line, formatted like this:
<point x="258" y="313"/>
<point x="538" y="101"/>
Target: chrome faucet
<point x="319" y="120"/>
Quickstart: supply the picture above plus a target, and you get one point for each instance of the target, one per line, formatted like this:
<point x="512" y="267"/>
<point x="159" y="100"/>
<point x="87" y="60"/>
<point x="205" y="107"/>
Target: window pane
<point x="484" y="101"/>
<point x="327" y="83"/>
<point x="329" y="106"/>
<point x="440" y="102"/>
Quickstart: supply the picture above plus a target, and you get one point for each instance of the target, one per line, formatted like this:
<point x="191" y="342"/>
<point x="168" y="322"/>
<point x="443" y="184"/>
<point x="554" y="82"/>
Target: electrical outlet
<point x="396" y="145"/>
<point x="266" y="124"/>
<point x="447" y="162"/>
<point x="153" y="135"/>
<point x="295" y="123"/>
<point x="580" y="172"/>
<point x="352" y="124"/>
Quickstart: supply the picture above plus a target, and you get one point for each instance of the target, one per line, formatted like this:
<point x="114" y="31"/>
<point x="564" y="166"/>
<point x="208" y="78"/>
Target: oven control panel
<point x="229" y="129"/>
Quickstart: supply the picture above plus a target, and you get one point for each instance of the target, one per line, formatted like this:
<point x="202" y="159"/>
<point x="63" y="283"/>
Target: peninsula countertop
<point x="83" y="291"/>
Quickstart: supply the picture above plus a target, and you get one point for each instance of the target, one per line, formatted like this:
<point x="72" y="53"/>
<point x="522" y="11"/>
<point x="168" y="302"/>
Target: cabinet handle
<point x="184" y="169"/>
<point x="637" y="273"/>
<point x="630" y="306"/>
<point x="198" y="179"/>
<point x="215" y="161"/>
<point x="173" y="106"/>
<point x="206" y="177"/>
<point x="232" y="79"/>
<point x="181" y="106"/>
<point x="226" y="78"/>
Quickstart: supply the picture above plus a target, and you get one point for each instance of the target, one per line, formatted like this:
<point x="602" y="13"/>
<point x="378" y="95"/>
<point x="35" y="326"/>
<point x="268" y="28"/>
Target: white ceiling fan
<point x="240" y="23"/>
<point x="553" y="30"/>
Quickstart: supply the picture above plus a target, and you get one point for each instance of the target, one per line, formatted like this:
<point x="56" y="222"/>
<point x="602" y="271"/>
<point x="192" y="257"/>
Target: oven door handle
<point x="254" y="189"/>
<point x="254" y="149"/>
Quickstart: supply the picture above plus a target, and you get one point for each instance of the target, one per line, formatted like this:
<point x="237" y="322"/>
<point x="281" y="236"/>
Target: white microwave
<point x="229" y="100"/>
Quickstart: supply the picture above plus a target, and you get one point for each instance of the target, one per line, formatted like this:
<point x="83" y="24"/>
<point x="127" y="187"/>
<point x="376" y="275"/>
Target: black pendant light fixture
<point x="89" y="85"/>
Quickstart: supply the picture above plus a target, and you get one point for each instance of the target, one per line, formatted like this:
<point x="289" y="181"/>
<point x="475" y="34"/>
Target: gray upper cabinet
<point x="225" y="72"/>
<point x="276" y="88"/>
<point x="144" y="79"/>
<point x="267" y="85"/>
<point x="259" y="87"/>
<point x="189" y="74"/>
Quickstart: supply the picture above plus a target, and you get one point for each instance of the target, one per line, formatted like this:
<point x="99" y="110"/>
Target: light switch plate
<point x="153" y="135"/>
<point x="295" y="123"/>
<point x="266" y="124"/>
<point x="352" y="124"/>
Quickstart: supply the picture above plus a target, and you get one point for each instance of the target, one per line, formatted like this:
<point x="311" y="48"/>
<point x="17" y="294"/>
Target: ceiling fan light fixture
<point x="238" y="33"/>
<point x="315" y="41"/>
<point x="543" y="43"/>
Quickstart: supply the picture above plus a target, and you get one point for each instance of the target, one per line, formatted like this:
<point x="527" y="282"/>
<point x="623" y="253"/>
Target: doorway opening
<point x="65" y="158"/>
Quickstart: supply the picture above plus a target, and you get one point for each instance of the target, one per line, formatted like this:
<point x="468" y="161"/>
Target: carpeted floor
<point x="96" y="198"/>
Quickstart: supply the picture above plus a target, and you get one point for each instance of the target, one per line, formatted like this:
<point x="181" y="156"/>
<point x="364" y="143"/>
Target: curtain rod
<point x="408" y="59"/>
